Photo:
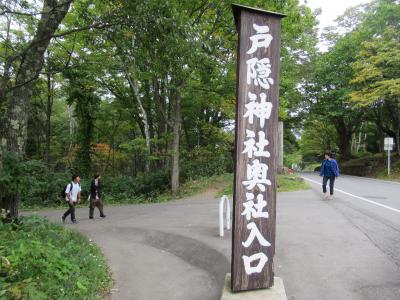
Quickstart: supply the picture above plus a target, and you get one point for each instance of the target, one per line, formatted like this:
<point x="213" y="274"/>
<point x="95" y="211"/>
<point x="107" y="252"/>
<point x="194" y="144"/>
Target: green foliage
<point x="362" y="154"/>
<point x="111" y="83"/>
<point x="204" y="161"/>
<point x="34" y="183"/>
<point x="330" y="90"/>
<point x="372" y="165"/>
<point x="317" y="137"/>
<point x="38" y="186"/>
<point x="81" y="91"/>
<point x="141" y="186"/>
<point x="357" y="81"/>
<point x="13" y="175"/>
<point x="394" y="170"/>
<point x="292" y="158"/>
<point x="39" y="260"/>
<point x="200" y="163"/>
<point x="378" y="61"/>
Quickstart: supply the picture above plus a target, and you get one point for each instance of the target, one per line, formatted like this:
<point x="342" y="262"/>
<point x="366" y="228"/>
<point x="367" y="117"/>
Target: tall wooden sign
<point x="253" y="243"/>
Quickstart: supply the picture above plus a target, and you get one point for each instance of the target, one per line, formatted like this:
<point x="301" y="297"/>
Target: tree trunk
<point x="71" y="133"/>
<point x="150" y="122"/>
<point x="189" y="145"/>
<point x="378" y="123"/>
<point x="14" y="122"/>
<point x="345" y="134"/>
<point x="135" y="90"/>
<point x="149" y="110"/>
<point x="398" y="131"/>
<point x="164" y="123"/>
<point x="50" y="97"/>
<point x="175" y="144"/>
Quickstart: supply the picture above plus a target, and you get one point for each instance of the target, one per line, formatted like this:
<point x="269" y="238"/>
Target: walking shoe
<point x="331" y="197"/>
<point x="63" y="219"/>
<point x="75" y="221"/>
<point x="90" y="217"/>
<point x="102" y="216"/>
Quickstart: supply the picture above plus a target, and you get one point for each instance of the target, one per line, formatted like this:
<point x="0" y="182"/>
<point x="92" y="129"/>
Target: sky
<point x="331" y="9"/>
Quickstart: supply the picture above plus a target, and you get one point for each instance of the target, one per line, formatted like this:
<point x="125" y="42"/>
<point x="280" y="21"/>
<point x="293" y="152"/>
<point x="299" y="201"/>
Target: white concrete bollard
<point x="224" y="198"/>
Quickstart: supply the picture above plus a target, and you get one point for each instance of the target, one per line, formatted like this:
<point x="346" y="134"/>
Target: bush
<point x="361" y="154"/>
<point x="31" y="180"/>
<point x="292" y="158"/>
<point x="37" y="186"/>
<point x="365" y="166"/>
<point x="39" y="260"/>
<point x="146" y="185"/>
<point x="201" y="162"/>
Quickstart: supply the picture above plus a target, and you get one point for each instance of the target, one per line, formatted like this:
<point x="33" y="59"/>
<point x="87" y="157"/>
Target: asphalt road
<point x="347" y="248"/>
<point x="378" y="200"/>
<point x="369" y="209"/>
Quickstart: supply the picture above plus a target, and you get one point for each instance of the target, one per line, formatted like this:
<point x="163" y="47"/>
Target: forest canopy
<point x="144" y="91"/>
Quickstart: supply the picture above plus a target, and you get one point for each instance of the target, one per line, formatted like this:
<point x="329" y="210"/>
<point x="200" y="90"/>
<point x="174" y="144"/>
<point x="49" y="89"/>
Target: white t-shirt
<point x="76" y="188"/>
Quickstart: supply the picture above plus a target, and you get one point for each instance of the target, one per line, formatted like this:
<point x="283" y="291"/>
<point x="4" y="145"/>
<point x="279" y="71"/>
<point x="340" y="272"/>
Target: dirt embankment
<point x="372" y="166"/>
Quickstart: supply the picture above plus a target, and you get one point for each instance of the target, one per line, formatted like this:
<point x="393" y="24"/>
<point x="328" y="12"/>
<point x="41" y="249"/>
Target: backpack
<point x="63" y="194"/>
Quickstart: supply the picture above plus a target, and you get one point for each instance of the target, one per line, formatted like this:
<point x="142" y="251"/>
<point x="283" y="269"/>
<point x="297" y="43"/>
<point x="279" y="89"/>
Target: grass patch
<point x="40" y="260"/>
<point x="289" y="183"/>
<point x="286" y="183"/>
<point x="193" y="187"/>
<point x="394" y="174"/>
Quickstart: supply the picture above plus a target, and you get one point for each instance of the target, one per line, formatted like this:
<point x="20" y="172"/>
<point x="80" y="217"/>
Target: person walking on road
<point x="95" y="197"/>
<point x="329" y="171"/>
<point x="72" y="196"/>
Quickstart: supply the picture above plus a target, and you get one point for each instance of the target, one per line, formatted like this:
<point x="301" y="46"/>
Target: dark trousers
<point x="71" y="210"/>
<point x="331" y="183"/>
<point x="95" y="203"/>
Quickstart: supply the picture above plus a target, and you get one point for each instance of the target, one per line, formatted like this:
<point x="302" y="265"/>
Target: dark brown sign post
<point x="253" y="243"/>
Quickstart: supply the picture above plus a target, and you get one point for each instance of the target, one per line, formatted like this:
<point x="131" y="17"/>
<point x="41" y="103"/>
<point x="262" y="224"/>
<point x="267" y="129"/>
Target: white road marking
<point x="369" y="178"/>
<point x="358" y="197"/>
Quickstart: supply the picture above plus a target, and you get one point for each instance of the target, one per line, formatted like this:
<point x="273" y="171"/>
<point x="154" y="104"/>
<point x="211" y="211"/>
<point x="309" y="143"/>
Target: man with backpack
<point x="72" y="196"/>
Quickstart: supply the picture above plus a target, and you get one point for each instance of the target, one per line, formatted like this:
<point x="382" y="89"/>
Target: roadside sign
<point x="388" y="141"/>
<point x="388" y="146"/>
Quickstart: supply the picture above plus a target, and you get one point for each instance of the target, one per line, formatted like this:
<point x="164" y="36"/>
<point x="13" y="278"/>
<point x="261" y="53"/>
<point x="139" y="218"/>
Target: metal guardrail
<point x="224" y="199"/>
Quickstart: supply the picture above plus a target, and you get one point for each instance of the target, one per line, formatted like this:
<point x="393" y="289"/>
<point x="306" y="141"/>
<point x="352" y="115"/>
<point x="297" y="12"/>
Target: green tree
<point x="21" y="68"/>
<point x="317" y="137"/>
<point x="377" y="69"/>
<point x="329" y="90"/>
<point x="81" y="92"/>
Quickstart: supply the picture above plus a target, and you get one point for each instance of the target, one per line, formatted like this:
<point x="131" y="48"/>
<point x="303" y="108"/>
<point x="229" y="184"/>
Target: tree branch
<point x="98" y="25"/>
<point x="7" y="10"/>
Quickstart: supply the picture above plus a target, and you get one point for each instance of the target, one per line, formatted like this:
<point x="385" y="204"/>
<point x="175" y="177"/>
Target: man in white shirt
<point x="72" y="196"/>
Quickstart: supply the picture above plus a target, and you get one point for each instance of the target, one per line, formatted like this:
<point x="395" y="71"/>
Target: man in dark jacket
<point x="95" y="197"/>
<point x="330" y="171"/>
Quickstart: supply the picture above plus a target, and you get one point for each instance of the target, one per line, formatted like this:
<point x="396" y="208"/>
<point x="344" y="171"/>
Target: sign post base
<point x="276" y="292"/>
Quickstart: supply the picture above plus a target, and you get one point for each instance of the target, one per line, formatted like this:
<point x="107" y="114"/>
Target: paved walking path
<point x="172" y="250"/>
